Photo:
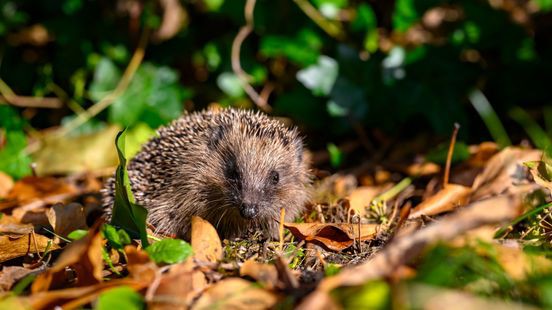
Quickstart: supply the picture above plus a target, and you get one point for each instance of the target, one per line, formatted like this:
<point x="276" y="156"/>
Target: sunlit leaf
<point x="122" y="297"/>
<point x="169" y="251"/>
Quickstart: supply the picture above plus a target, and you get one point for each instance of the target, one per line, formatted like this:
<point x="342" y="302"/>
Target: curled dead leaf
<point x="333" y="236"/>
<point x="6" y="184"/>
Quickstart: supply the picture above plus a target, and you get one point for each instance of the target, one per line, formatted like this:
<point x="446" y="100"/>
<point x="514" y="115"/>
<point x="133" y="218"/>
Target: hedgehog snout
<point x="249" y="210"/>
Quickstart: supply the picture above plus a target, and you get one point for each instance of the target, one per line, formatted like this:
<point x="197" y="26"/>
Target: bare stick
<point x="244" y="78"/>
<point x="7" y="95"/>
<point x="99" y="106"/>
<point x="450" y="152"/>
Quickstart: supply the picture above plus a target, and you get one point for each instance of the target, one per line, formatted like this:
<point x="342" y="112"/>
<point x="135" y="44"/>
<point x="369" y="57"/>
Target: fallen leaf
<point x="334" y="236"/>
<point x="66" y="218"/>
<point x="139" y="264"/>
<point x="422" y="169"/>
<point x="75" y="298"/>
<point x="6" y="184"/>
<point x="265" y="274"/>
<point x="11" y="274"/>
<point x="84" y="256"/>
<point x="401" y="250"/>
<point x="169" y="296"/>
<point x="72" y="154"/>
<point x="542" y="172"/>
<point x="447" y="199"/>
<point x="361" y="197"/>
<point x="15" y="228"/>
<point x="16" y="247"/>
<point x="205" y="241"/>
<point x="504" y="173"/>
<point x="174" y="19"/>
<point x="36" y="189"/>
<point x="236" y="293"/>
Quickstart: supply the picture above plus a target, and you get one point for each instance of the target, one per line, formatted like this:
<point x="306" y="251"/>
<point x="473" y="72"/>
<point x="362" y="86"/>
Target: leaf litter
<point x="361" y="231"/>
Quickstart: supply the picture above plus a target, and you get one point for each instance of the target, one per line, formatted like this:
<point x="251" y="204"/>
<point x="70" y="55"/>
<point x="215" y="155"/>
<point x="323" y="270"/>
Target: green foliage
<point x="154" y="95"/>
<point x="117" y="238"/>
<point x="127" y="215"/>
<point x="77" y="234"/>
<point x="14" y="160"/>
<point x="169" y="251"/>
<point x="372" y="295"/>
<point x="122" y="297"/>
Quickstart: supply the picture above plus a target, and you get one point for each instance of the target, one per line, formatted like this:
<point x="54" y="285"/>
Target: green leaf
<point x="366" y="22"/>
<point x="336" y="155"/>
<point x="372" y="295"/>
<point x="126" y="213"/>
<point x="320" y="78"/>
<point x="169" y="251"/>
<point x="122" y="297"/>
<point x="230" y="84"/>
<point x="303" y="49"/>
<point x="405" y="15"/>
<point x="77" y="234"/>
<point x="118" y="238"/>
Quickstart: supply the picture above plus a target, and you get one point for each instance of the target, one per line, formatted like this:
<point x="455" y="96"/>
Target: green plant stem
<point x="487" y="113"/>
<point x="502" y="231"/>
<point x="536" y="133"/>
<point x="395" y="190"/>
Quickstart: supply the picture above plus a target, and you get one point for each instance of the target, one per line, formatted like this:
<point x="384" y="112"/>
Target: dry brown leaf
<point x="265" y="274"/>
<point x="75" y="298"/>
<point x="67" y="155"/>
<point x="84" y="255"/>
<point x="170" y="296"/>
<point x="6" y="184"/>
<point x="422" y="169"/>
<point x="541" y="172"/>
<point x="66" y="218"/>
<point x="15" y="228"/>
<point x="490" y="211"/>
<point x="447" y="199"/>
<point x="139" y="264"/>
<point x="36" y="217"/>
<point x="16" y="247"/>
<point x="361" y="197"/>
<point x="205" y="241"/>
<point x="482" y="153"/>
<point x="236" y="293"/>
<point x="10" y="275"/>
<point x="334" y="236"/>
<point x="504" y="173"/>
<point x="32" y="189"/>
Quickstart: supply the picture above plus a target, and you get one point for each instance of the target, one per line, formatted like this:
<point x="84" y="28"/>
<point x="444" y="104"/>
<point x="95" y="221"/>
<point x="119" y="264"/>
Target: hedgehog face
<point x="260" y="172"/>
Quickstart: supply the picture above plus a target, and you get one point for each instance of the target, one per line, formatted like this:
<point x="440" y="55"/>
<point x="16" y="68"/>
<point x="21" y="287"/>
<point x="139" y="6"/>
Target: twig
<point x="450" y="152"/>
<point x="281" y="230"/>
<point x="99" y="106"/>
<point x="7" y="95"/>
<point x="244" y="78"/>
<point x="331" y="28"/>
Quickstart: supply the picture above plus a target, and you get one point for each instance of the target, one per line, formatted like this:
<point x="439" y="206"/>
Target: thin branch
<point x="450" y="152"/>
<point x="8" y="96"/>
<point x="244" y="78"/>
<point x="101" y="105"/>
<point x="331" y="28"/>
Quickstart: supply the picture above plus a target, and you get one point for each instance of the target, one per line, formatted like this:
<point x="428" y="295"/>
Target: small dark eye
<point x="274" y="177"/>
<point x="232" y="173"/>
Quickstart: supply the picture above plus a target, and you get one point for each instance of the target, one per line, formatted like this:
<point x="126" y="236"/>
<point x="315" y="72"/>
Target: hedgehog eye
<point x="232" y="173"/>
<point x="274" y="177"/>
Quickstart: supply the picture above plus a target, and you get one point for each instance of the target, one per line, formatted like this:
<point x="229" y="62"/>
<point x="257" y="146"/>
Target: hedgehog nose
<point x="249" y="210"/>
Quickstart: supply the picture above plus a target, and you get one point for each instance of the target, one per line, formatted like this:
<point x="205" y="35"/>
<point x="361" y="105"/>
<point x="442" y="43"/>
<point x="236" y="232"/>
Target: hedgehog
<point x="235" y="168"/>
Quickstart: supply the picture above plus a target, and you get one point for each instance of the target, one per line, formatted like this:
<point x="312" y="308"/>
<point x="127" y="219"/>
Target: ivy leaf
<point x="320" y="78"/>
<point x="169" y="251"/>
<point x="126" y="213"/>
<point x="118" y="238"/>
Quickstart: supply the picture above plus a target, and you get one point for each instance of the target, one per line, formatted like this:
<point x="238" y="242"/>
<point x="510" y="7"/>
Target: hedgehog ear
<point x="217" y="134"/>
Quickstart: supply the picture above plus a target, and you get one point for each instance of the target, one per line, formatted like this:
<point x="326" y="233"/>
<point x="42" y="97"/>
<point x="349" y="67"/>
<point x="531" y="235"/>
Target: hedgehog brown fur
<point x="234" y="168"/>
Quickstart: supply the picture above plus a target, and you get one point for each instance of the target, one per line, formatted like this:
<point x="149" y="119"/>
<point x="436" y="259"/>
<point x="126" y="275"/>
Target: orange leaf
<point x="447" y="199"/>
<point x="205" y="241"/>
